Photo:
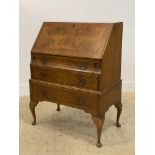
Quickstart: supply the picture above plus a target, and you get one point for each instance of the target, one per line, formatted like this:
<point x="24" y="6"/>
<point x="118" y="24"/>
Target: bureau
<point x="78" y="65"/>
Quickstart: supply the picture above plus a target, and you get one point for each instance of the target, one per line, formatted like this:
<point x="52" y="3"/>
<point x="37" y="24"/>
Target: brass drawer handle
<point x="43" y="60"/>
<point x="44" y="93"/>
<point x="81" y="100"/>
<point x="82" y="66"/>
<point x="43" y="74"/>
<point x="82" y="82"/>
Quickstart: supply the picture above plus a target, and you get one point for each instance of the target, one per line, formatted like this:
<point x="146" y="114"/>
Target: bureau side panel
<point x="109" y="98"/>
<point x="111" y="62"/>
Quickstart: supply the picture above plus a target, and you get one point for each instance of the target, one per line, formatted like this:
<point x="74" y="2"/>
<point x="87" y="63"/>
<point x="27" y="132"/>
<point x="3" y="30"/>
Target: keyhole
<point x="73" y="25"/>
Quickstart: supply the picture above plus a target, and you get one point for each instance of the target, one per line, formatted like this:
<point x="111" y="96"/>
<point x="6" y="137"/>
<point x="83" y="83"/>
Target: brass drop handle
<point x="97" y="65"/>
<point x="44" y="93"/>
<point x="43" y="60"/>
<point x="81" y="100"/>
<point x="82" y="66"/>
<point x="82" y="82"/>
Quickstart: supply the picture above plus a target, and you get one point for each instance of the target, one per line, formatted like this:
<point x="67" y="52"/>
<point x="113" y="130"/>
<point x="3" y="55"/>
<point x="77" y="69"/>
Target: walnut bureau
<point x="78" y="65"/>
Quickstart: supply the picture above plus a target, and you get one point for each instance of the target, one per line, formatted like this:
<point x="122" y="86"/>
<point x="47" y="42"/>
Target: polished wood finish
<point x="66" y="63"/>
<point x="76" y="79"/>
<point x="32" y="106"/>
<point x="99" y="123"/>
<point x="73" y="39"/>
<point x="43" y="91"/>
<point x="119" y="110"/>
<point x="78" y="65"/>
<point x="58" y="107"/>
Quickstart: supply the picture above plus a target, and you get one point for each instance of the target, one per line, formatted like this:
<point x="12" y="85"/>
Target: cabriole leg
<point x="99" y="123"/>
<point x="32" y="106"/>
<point x="119" y="110"/>
<point x="58" y="107"/>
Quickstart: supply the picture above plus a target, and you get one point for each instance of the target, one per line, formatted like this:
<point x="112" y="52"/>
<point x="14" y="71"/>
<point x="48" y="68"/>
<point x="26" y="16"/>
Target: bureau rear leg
<point x="32" y="106"/>
<point x="58" y="107"/>
<point x="99" y="123"/>
<point x="119" y="110"/>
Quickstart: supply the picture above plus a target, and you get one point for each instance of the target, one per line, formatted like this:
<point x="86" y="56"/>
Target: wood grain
<point x="85" y="40"/>
<point x="78" y="65"/>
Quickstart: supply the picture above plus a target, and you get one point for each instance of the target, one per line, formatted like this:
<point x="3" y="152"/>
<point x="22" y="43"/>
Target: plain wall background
<point x="34" y="13"/>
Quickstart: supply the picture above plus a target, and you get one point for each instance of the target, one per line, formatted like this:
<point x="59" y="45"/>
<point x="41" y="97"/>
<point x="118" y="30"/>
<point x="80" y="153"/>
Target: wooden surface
<point x="67" y="63"/>
<point x="78" y="65"/>
<point x="85" y="40"/>
<point x="42" y="91"/>
<point x="75" y="79"/>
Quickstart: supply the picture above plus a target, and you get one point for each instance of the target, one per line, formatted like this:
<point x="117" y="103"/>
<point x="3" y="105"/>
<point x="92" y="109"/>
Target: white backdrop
<point x="34" y="12"/>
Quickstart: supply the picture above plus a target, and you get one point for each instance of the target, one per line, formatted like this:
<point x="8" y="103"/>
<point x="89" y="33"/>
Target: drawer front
<point x="77" y="64"/>
<point x="47" y="92"/>
<point x="86" y="81"/>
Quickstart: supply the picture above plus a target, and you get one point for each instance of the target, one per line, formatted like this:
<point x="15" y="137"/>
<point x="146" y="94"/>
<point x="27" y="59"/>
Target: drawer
<point x="43" y="91"/>
<point x="85" y="65"/>
<point x="65" y="77"/>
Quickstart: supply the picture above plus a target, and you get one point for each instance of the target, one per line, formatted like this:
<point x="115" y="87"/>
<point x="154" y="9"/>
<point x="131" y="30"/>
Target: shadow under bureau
<point x="78" y="65"/>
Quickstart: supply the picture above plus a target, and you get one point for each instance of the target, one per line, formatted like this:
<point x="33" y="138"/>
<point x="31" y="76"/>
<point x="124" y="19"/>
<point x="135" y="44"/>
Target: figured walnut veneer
<point x="78" y="65"/>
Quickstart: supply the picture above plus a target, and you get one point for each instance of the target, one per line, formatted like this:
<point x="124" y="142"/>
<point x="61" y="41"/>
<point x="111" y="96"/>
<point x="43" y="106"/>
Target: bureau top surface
<point x="83" y="40"/>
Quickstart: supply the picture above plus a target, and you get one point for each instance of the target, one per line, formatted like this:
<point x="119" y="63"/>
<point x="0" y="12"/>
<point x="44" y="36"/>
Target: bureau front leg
<point x="119" y="110"/>
<point x="99" y="123"/>
<point x="58" y="107"/>
<point x="32" y="106"/>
